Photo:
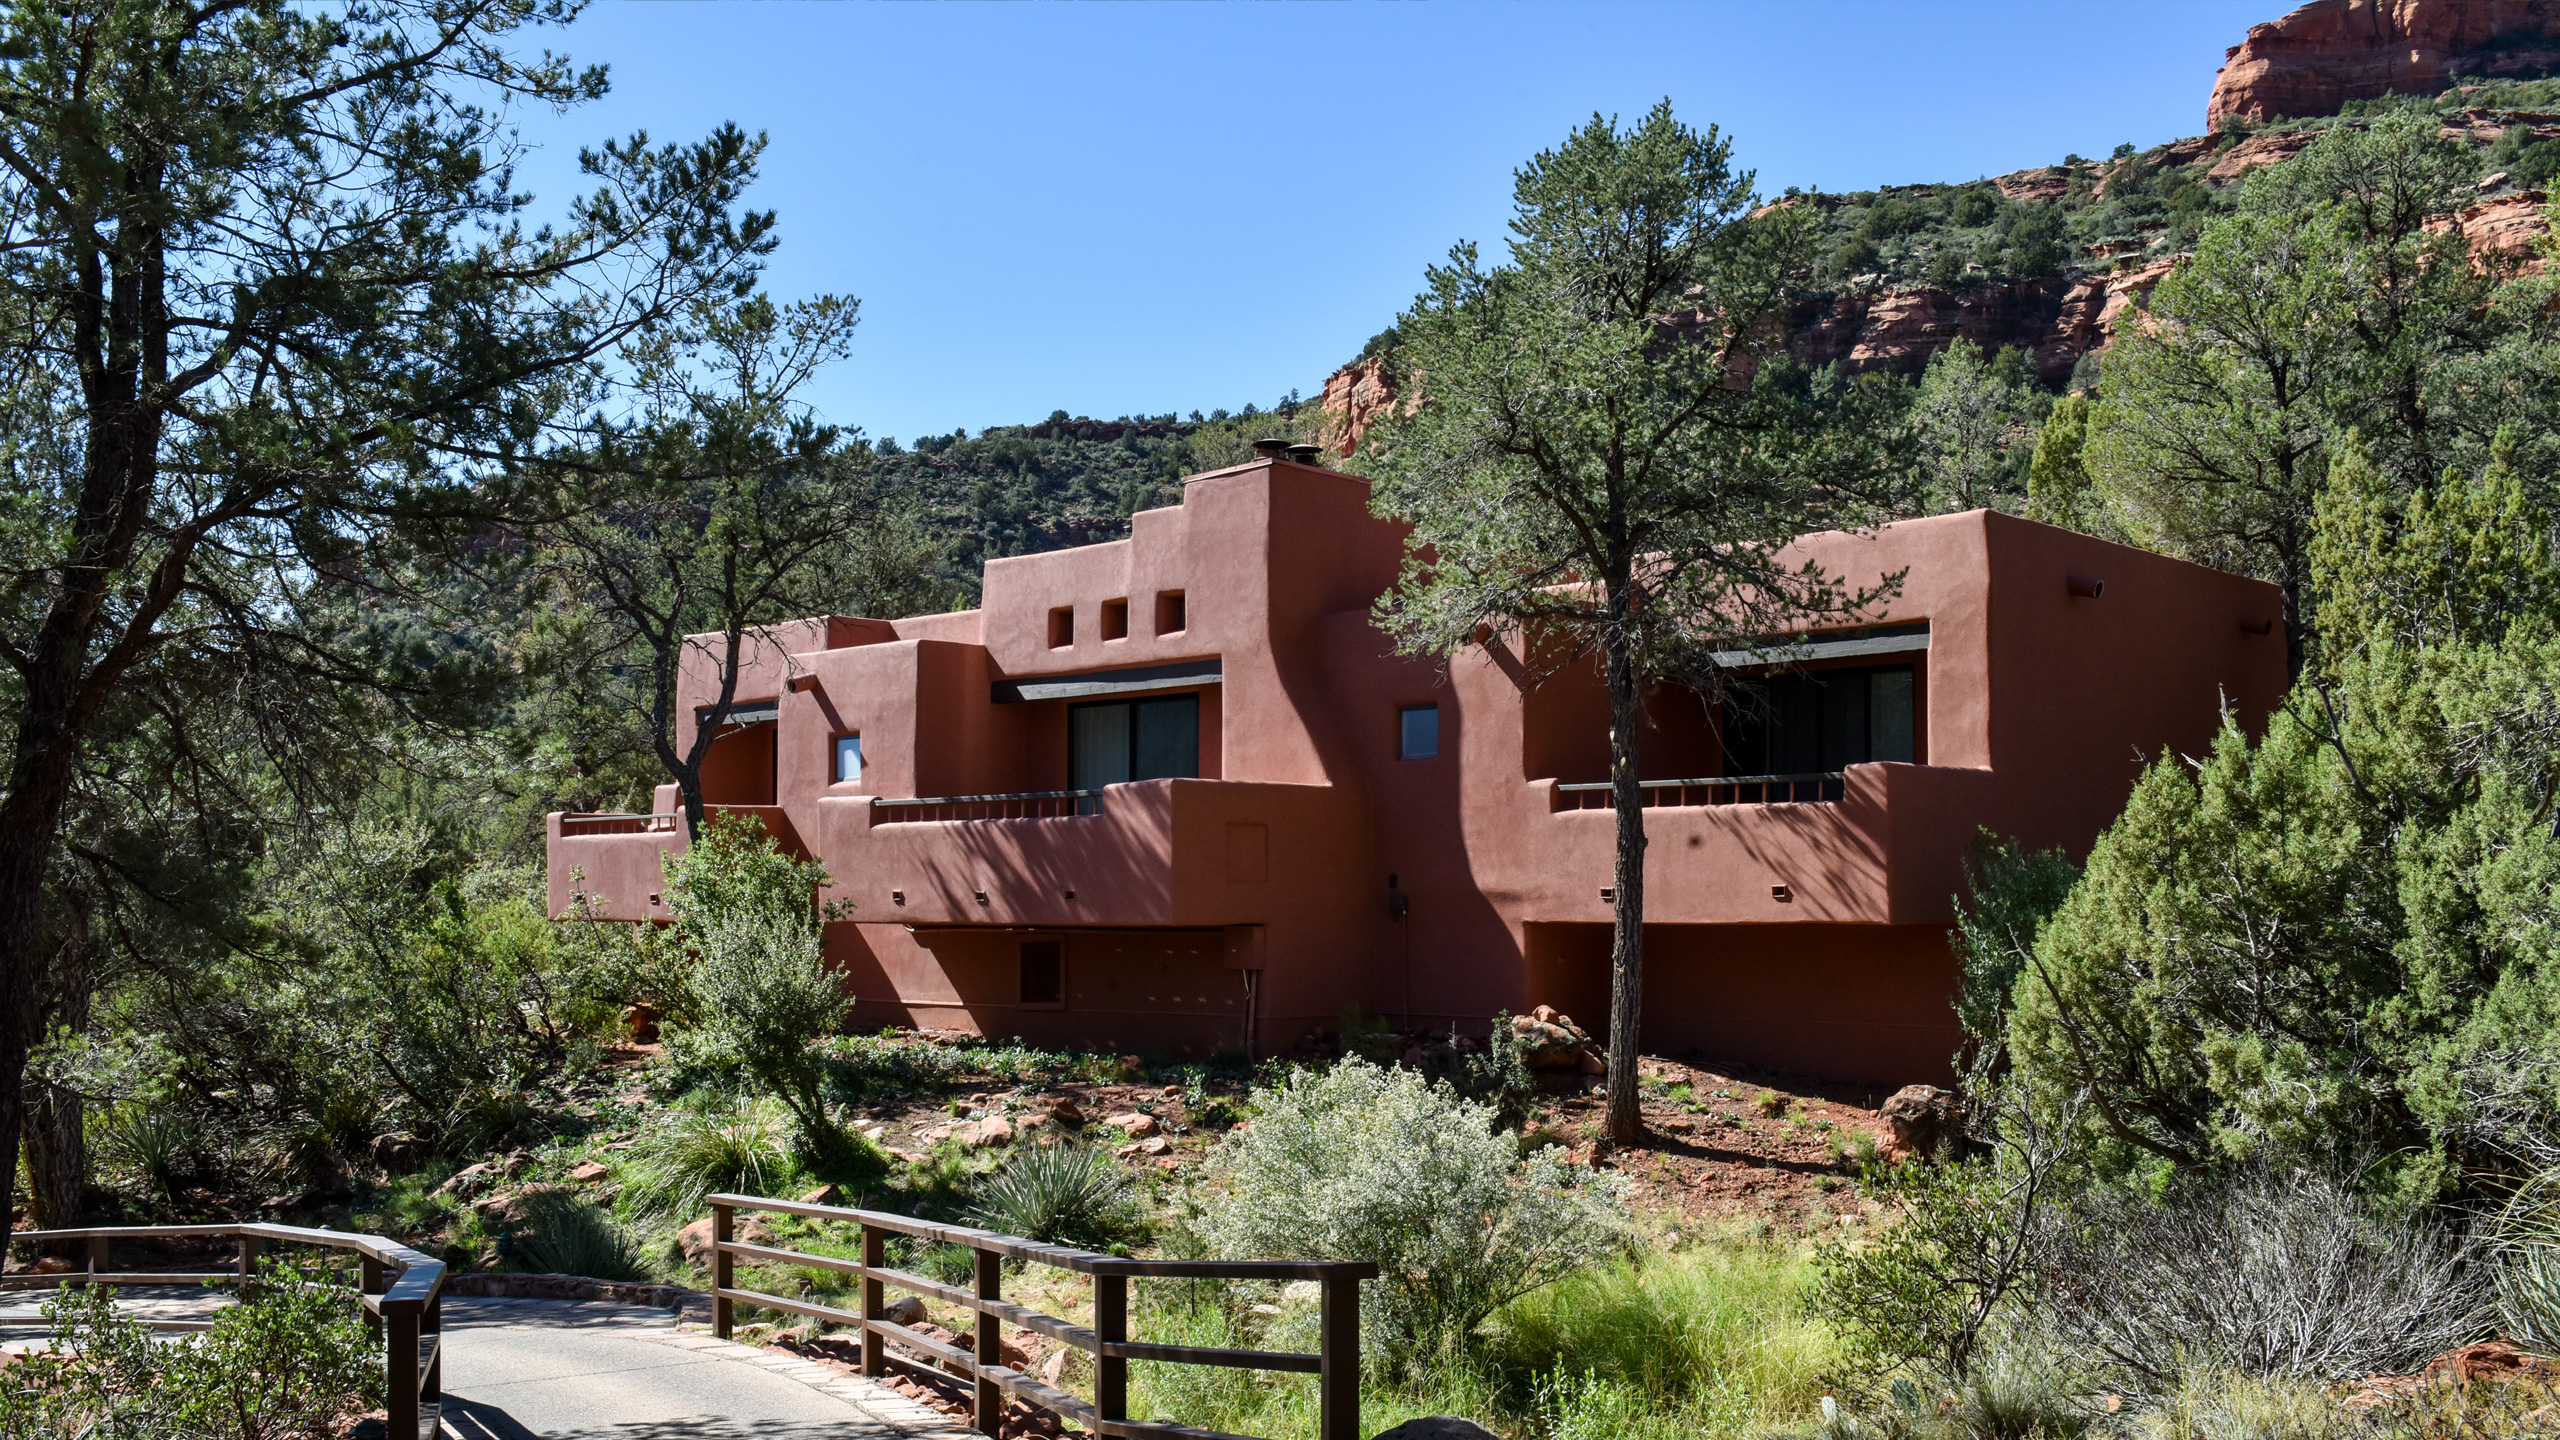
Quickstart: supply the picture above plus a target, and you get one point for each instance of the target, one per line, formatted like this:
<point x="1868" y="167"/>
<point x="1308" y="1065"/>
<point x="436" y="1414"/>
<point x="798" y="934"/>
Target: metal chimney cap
<point x="1270" y="447"/>
<point x="1305" y="454"/>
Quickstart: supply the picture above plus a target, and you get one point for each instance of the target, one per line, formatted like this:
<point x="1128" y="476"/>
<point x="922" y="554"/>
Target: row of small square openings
<point x="1173" y="615"/>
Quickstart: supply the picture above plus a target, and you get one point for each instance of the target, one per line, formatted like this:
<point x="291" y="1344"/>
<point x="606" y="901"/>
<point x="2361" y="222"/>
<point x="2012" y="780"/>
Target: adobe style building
<point x="1177" y="793"/>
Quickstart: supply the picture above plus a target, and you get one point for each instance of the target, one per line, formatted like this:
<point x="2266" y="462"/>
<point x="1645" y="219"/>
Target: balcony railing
<point x="1029" y="805"/>
<point x="1812" y="788"/>
<point x="614" y="824"/>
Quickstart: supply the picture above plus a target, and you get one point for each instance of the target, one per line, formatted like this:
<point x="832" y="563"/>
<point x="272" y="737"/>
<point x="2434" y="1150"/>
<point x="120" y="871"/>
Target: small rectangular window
<point x="1172" y="614"/>
<point x="1062" y="627"/>
<point x="848" y="758"/>
<point x="1044" y="972"/>
<point x="1115" y="619"/>
<point x="1418" y="732"/>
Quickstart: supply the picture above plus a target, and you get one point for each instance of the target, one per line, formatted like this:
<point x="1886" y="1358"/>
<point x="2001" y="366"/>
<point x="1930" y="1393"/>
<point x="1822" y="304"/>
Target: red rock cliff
<point x="2329" y="52"/>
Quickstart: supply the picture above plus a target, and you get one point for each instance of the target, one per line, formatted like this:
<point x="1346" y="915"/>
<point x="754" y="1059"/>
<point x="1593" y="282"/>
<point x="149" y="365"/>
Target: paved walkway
<point x="573" y="1370"/>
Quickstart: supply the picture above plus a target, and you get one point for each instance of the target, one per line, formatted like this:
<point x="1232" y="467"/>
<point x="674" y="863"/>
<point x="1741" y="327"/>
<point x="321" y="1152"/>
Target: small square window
<point x="1172" y="614"/>
<point x="1044" y="972"/>
<point x="1062" y="627"/>
<point x="1115" y="619"/>
<point x="1418" y="732"/>
<point x="848" y="758"/>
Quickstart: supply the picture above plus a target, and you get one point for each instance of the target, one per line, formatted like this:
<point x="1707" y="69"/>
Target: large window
<point x="1112" y="741"/>
<point x="1802" y="723"/>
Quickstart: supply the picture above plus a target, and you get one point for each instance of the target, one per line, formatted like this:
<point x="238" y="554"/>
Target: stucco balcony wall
<point x="1159" y="852"/>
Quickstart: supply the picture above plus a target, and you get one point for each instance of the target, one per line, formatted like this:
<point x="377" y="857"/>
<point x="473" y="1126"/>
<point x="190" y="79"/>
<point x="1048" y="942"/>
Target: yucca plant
<point x="564" y="1235"/>
<point x="1060" y="1195"/>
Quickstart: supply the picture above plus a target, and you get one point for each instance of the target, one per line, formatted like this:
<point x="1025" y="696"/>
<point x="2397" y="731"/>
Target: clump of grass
<point x="1719" y="1336"/>
<point x="688" y="1152"/>
<point x="1770" y="1104"/>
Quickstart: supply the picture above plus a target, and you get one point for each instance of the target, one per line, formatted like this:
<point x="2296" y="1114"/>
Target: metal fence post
<point x="723" y="1272"/>
<point x="1111" y="1325"/>
<point x="1338" y="1381"/>
<point x="400" y="1374"/>
<point x="875" y="1300"/>
<point x="987" y="1408"/>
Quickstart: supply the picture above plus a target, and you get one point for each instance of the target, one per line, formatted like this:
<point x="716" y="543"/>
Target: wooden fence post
<point x="400" y="1374"/>
<point x="1338" y="1381"/>
<point x="875" y="1300"/>
<point x="1111" y="1325"/>
<point x="369" y="1280"/>
<point x="431" y="1392"/>
<point x="97" y="1257"/>
<point x="723" y="1273"/>
<point x="986" y="1410"/>
<point x="251" y="1247"/>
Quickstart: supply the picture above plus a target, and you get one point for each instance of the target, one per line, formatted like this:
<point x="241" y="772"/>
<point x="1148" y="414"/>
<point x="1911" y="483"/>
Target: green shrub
<point x="1360" y="1163"/>
<point x="564" y="1235"/>
<point x="689" y="1151"/>
<point x="1060" y="1195"/>
<point x="290" y="1359"/>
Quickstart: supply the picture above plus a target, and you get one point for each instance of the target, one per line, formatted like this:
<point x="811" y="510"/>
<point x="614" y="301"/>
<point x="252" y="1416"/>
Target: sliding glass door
<point x="1113" y="741"/>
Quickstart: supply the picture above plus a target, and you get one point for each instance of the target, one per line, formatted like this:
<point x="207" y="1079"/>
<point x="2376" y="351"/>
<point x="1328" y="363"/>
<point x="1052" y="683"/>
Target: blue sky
<point x="1123" y="208"/>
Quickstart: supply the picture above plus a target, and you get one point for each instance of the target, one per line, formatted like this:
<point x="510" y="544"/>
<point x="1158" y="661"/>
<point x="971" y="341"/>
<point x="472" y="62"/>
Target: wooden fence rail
<point x="1336" y="1365"/>
<point x="401" y="1289"/>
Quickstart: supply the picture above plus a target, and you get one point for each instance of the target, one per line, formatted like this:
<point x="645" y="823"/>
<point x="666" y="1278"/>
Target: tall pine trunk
<point x="1626" y="799"/>
<point x="57" y="1146"/>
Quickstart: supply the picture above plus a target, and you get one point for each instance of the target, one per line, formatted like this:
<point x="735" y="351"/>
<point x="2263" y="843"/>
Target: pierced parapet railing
<point x="606" y="823"/>
<point x="1813" y="788"/>
<point x="1030" y="805"/>
<point x="1336" y="1366"/>
<point x="402" y="1292"/>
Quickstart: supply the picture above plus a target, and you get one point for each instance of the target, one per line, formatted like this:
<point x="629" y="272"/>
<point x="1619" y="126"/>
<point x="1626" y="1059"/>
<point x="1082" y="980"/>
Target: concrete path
<point x="563" y="1370"/>
<point x="574" y="1370"/>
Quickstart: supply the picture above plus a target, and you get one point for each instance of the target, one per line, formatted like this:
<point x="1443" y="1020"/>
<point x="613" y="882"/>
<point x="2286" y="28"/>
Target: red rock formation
<point x="1356" y="397"/>
<point x="2258" y="150"/>
<point x="2508" y="226"/>
<point x="2328" y="52"/>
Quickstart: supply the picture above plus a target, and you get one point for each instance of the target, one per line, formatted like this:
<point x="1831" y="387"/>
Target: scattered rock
<point x="1136" y="1124"/>
<point x="1918" y="1120"/>
<point x="641" y="1023"/>
<point x="905" y="1310"/>
<point x="1152" y="1145"/>
<point x="1132" y="1067"/>
<point x="979" y="1134"/>
<point x="1591" y="1064"/>
<point x="1065" y="1110"/>
<point x="517" y="1164"/>
<point x="1549" y="1041"/>
<point x="1438" y="1427"/>
<point x="399" y="1154"/>
<point x="694" y="1243"/>
<point x="468" y="1181"/>
<point x="587" y="1172"/>
<point x="823" y="1195"/>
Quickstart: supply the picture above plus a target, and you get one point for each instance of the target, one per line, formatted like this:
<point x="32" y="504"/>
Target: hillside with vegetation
<point x="2255" y="1130"/>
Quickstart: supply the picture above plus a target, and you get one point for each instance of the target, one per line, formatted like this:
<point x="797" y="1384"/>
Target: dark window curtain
<point x="1109" y="742"/>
